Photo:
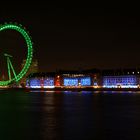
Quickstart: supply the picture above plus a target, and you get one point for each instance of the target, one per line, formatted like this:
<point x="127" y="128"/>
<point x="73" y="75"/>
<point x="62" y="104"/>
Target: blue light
<point x="49" y="82"/>
<point x="70" y="81"/>
<point x="40" y="83"/>
<point x="35" y="83"/>
<point x="130" y="81"/>
<point x="95" y="84"/>
<point x="86" y="81"/>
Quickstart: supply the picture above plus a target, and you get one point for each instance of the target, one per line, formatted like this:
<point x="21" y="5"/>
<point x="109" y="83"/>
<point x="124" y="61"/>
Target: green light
<point x="29" y="43"/>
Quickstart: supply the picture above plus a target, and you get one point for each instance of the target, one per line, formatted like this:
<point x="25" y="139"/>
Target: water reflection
<point x="69" y="115"/>
<point x="13" y="120"/>
<point x="50" y="116"/>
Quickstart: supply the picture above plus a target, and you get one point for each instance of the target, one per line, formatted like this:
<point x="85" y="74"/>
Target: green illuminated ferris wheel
<point x="17" y="77"/>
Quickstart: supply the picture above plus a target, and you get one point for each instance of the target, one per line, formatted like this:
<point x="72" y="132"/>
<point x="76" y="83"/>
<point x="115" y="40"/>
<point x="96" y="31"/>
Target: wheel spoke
<point x="29" y="43"/>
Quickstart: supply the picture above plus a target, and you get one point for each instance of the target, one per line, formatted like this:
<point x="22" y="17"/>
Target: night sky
<point x="73" y="36"/>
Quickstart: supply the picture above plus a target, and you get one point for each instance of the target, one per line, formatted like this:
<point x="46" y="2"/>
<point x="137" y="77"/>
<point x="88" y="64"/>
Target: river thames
<point x="67" y="115"/>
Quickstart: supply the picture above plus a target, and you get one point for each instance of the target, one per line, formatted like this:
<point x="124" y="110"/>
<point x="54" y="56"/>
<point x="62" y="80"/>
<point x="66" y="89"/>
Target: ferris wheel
<point x="15" y="77"/>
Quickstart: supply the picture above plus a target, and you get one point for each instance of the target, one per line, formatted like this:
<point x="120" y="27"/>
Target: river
<point x="67" y="115"/>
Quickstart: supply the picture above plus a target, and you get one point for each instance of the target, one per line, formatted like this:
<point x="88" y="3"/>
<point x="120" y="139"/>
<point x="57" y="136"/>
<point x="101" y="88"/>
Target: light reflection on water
<point x="58" y="115"/>
<point x="84" y="92"/>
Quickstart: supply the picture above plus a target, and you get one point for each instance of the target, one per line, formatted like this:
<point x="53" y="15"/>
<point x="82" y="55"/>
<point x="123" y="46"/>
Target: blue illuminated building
<point x="35" y="82"/>
<point x="48" y="82"/>
<point x="121" y="81"/>
<point x="70" y="81"/>
<point x="40" y="83"/>
<point x="40" y="80"/>
<point x="85" y="81"/>
<point x="76" y="80"/>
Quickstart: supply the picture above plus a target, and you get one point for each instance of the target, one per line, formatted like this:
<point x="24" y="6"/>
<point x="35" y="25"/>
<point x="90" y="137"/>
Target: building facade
<point x="121" y="81"/>
<point x="40" y="80"/>
<point x="76" y="80"/>
<point x="70" y="79"/>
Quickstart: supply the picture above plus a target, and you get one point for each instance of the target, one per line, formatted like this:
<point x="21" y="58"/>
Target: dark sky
<point x="74" y="36"/>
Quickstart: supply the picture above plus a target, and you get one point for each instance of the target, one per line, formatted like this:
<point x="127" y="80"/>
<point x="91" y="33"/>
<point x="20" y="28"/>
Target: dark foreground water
<point x="69" y="115"/>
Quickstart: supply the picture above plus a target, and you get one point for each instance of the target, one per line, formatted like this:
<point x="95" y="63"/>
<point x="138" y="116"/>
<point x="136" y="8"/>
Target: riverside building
<point x="85" y="79"/>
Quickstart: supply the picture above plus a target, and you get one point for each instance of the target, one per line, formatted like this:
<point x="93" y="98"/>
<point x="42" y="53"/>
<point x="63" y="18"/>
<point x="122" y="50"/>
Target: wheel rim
<point x="29" y="57"/>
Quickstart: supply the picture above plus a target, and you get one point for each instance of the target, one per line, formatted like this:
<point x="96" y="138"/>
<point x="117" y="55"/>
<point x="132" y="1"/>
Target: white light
<point x="135" y="86"/>
<point x="41" y="87"/>
<point x="35" y="86"/>
<point x="49" y="86"/>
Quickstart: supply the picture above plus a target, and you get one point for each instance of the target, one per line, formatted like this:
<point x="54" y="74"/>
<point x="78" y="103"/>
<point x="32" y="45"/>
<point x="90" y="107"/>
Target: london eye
<point x="13" y="76"/>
